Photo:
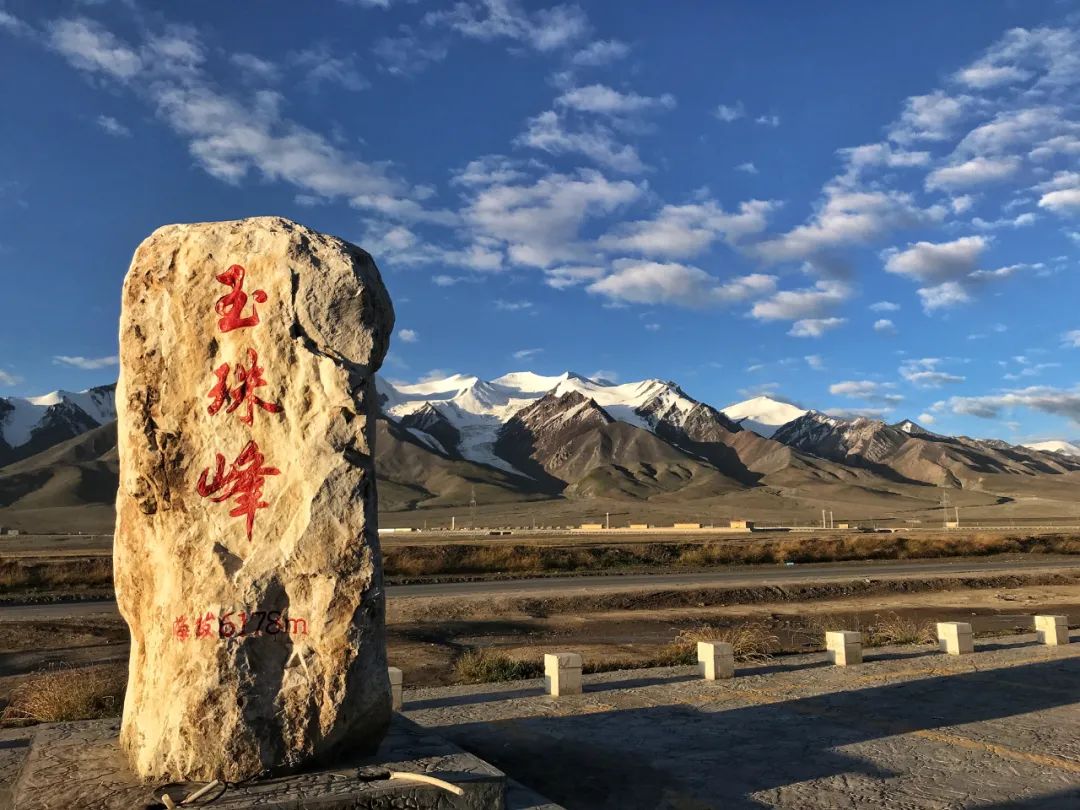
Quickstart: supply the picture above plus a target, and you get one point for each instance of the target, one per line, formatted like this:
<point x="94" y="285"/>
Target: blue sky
<point x="860" y="207"/>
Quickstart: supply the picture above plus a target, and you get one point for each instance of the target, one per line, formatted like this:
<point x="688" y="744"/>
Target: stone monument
<point x="246" y="556"/>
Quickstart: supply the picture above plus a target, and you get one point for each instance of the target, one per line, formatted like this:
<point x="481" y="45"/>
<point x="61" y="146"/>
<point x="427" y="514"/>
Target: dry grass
<point x="65" y="573"/>
<point x="493" y="666"/>
<point x="883" y="630"/>
<point x="752" y="642"/>
<point x="68" y="694"/>
<point x="493" y="559"/>
<point x="520" y="558"/>
<point x="891" y="629"/>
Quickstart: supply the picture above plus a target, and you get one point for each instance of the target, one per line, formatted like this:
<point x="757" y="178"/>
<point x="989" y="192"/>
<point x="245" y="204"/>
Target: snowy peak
<point x="31" y="424"/>
<point x="912" y="428"/>
<point x="1056" y="446"/>
<point x="763" y="415"/>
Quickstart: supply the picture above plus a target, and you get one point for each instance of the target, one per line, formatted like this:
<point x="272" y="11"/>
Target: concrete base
<point x="844" y="647"/>
<point x="79" y="765"/>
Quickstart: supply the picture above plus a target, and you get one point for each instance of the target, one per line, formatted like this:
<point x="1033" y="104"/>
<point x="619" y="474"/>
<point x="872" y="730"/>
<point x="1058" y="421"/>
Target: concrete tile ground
<point x="910" y="728"/>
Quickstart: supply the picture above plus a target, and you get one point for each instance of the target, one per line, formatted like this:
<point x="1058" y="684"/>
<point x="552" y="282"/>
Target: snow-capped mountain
<point x="470" y="412"/>
<point x="763" y="415"/>
<point x="913" y="453"/>
<point x="1056" y="446"/>
<point x="29" y="425"/>
<point x="912" y="428"/>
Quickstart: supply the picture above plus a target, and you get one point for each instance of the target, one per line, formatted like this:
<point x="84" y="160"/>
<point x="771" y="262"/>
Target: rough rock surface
<point x="246" y="557"/>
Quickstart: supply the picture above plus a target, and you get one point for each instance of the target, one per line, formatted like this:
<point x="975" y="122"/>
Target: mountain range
<point x="529" y="437"/>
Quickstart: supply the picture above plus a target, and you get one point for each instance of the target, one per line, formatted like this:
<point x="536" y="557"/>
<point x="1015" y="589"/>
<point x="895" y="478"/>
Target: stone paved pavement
<point x="911" y="728"/>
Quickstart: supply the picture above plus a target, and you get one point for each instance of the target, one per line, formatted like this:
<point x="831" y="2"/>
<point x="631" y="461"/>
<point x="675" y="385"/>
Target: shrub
<point x="68" y="693"/>
<point x="492" y="666"/>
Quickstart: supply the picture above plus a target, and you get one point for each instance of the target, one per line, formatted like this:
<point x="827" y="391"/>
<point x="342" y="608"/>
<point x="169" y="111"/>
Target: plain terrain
<point x="626" y="603"/>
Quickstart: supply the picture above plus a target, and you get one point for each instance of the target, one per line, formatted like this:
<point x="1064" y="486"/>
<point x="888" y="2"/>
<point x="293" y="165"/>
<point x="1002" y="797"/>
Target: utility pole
<point x="472" y="508"/>
<point x="823" y="518"/>
<point x="607" y="520"/>
<point x="945" y="509"/>
<point x="453" y="523"/>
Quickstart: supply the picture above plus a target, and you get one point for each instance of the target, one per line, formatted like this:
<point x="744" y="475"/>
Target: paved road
<point x="567" y="586"/>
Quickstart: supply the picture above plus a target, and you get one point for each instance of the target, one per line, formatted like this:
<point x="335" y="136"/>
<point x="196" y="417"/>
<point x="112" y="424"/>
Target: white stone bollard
<point x="844" y="647"/>
<point x="955" y="638"/>
<point x="562" y="674"/>
<point x="396" y="681"/>
<point x="716" y="660"/>
<point x="1052" y="630"/>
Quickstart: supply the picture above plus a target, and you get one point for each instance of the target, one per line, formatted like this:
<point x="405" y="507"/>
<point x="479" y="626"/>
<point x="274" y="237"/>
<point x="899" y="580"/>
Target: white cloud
<point x="1062" y="201"/>
<point x="885" y="326"/>
<point x="255" y="66"/>
<point x="512" y="306"/>
<point x="113" y="127"/>
<point x="982" y="76"/>
<point x="943" y="296"/>
<point x="807" y="305"/>
<point x="644" y="282"/>
<point x="547" y="133"/>
<point x="490" y="170"/>
<point x="973" y="172"/>
<point x="86" y="363"/>
<point x="768" y="120"/>
<point x="847" y="217"/>
<point x="815" y="361"/>
<point x="814" y="327"/>
<point x="859" y="413"/>
<point x="539" y="222"/>
<point x="961" y="204"/>
<point x="932" y="263"/>
<point x="880" y="155"/>
<point x="525" y="354"/>
<point x="730" y="112"/>
<point x="408" y="335"/>
<point x="89" y="46"/>
<point x="1019" y="221"/>
<point x="924" y="373"/>
<point x="1071" y="339"/>
<point x="229" y="137"/>
<point x="323" y="66"/>
<point x="652" y="327"/>
<point x="884" y="306"/>
<point x="866" y="389"/>
<point x="6" y="378"/>
<point x="931" y="117"/>
<point x="948" y="269"/>
<point x="600" y="52"/>
<point x="926" y="418"/>
<point x="602" y="375"/>
<point x="543" y="30"/>
<point x="747" y="167"/>
<point x="560" y="278"/>
<point x="1011" y="128"/>
<point x="407" y="54"/>
<point x="1046" y="399"/>
<point x="604" y="100"/>
<point x="682" y="231"/>
<point x="13" y="25"/>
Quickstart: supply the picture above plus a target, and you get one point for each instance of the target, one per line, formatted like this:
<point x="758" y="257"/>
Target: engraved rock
<point x="246" y="559"/>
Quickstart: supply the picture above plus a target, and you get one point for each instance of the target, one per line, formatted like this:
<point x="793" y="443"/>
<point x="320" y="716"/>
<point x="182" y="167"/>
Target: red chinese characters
<point x="248" y="378"/>
<point x="231" y="305"/>
<point x="243" y="481"/>
<point x="246" y="476"/>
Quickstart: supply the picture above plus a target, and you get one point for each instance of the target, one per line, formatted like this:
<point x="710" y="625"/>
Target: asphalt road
<point x="568" y="586"/>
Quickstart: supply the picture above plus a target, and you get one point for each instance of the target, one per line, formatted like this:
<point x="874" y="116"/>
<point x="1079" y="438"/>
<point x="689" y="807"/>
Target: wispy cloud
<point x="113" y="127"/>
<point x="86" y="363"/>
